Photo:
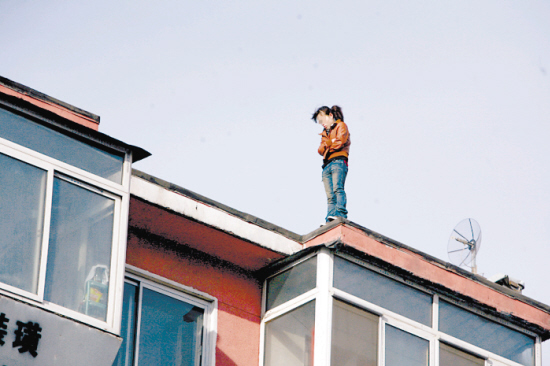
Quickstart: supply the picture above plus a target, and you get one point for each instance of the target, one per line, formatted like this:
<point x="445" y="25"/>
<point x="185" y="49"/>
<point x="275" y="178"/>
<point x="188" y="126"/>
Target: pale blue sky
<point x="448" y="104"/>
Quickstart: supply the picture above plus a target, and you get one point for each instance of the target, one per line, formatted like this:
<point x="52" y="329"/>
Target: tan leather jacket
<point x="336" y="142"/>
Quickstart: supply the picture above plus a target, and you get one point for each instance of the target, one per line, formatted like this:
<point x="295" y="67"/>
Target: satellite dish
<point x="464" y="244"/>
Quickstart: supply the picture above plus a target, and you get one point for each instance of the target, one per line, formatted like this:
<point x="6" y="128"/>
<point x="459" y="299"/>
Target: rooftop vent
<point x="507" y="281"/>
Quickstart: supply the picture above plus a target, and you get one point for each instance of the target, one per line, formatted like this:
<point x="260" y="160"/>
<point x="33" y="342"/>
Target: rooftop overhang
<point x="433" y="273"/>
<point x="62" y="117"/>
<point x="50" y="104"/>
<point x="185" y="218"/>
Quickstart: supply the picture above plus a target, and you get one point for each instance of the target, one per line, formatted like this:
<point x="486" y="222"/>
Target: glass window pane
<point x="486" y="334"/>
<point x="22" y="198"/>
<point x="382" y="291"/>
<point x="170" y="332"/>
<point x="291" y="283"/>
<point x="125" y="355"/>
<point x="403" y="348"/>
<point x="354" y="336"/>
<point x="58" y="146"/>
<point x="289" y="338"/>
<point x="449" y="356"/>
<point x="79" y="253"/>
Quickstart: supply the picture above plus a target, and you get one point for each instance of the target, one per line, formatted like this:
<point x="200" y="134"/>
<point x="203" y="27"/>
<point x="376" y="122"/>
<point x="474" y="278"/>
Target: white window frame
<point x="144" y="279"/>
<point x="291" y="304"/>
<point x="324" y="294"/>
<point x="285" y="308"/>
<point x="432" y="334"/>
<point x="121" y="196"/>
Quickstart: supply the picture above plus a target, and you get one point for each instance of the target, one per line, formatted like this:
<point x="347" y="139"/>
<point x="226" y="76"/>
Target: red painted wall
<point x="239" y="294"/>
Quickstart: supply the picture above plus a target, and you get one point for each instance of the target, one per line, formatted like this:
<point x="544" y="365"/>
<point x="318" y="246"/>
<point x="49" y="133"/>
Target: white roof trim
<point x="212" y="216"/>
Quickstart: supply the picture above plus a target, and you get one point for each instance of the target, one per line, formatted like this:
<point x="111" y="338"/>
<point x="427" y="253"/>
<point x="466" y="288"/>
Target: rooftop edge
<point x="302" y="239"/>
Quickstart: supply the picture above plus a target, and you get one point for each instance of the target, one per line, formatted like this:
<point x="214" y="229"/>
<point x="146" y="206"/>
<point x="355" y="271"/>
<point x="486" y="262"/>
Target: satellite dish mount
<point x="464" y="244"/>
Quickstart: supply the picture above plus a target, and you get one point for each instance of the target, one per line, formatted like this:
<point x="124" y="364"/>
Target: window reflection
<point x="22" y="199"/>
<point x="79" y="252"/>
<point x="125" y="354"/>
<point x="289" y="338"/>
<point x="291" y="283"/>
<point x="354" y="336"/>
<point x="486" y="334"/>
<point x="403" y="348"/>
<point x="170" y="331"/>
<point x="450" y="356"/>
<point x="382" y="291"/>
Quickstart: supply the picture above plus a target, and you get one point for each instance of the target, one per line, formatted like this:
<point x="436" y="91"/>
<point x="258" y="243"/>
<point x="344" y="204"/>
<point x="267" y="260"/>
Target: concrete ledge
<point x="211" y="213"/>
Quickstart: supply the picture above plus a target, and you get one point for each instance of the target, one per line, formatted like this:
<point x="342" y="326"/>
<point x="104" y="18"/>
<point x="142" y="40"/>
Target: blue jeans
<point x="334" y="178"/>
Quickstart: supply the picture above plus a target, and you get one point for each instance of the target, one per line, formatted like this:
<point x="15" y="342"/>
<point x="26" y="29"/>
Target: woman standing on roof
<point x="335" y="143"/>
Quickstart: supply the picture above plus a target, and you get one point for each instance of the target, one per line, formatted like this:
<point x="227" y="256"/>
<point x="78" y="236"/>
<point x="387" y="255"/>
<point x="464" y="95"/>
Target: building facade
<point x="341" y="295"/>
<point x="127" y="269"/>
<point x="64" y="201"/>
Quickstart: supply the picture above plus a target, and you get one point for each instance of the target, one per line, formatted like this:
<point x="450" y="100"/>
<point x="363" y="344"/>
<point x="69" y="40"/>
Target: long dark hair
<point x="335" y="110"/>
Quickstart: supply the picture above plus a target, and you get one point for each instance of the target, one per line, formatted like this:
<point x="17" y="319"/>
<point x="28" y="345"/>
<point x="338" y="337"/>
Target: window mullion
<point x="434" y="352"/>
<point x="323" y="309"/>
<point x="538" y="352"/>
<point x="138" y="324"/>
<point x="262" y="343"/>
<point x="127" y="171"/>
<point x="381" y="341"/>
<point x="47" y="211"/>
<point x="116" y="291"/>
<point x="435" y="312"/>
